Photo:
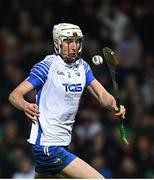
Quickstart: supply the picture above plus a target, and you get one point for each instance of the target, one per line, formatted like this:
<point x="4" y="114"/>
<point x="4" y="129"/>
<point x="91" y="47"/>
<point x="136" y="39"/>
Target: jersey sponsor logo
<point x="72" y="87"/>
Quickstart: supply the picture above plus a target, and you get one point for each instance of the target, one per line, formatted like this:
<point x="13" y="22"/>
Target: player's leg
<point x="57" y="162"/>
<point x="76" y="169"/>
<point x="81" y="170"/>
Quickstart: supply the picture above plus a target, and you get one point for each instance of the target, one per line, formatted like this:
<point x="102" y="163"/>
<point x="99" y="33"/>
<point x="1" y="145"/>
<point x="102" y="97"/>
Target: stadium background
<point x="124" y="25"/>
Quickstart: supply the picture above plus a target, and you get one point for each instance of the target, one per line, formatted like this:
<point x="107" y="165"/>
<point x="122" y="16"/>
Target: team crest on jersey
<point x="76" y="72"/>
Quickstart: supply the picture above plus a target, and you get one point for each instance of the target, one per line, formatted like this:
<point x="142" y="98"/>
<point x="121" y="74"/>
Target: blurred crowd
<point x="127" y="27"/>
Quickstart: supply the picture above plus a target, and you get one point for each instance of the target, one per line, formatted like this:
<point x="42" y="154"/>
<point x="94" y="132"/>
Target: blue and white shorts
<point x="51" y="159"/>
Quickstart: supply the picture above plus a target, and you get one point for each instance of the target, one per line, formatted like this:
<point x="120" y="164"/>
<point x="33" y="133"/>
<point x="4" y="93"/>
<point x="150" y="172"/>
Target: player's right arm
<point x="36" y="79"/>
<point x="16" y="98"/>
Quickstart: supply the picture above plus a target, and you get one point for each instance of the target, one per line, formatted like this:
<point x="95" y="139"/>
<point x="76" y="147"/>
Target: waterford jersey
<point x="59" y="87"/>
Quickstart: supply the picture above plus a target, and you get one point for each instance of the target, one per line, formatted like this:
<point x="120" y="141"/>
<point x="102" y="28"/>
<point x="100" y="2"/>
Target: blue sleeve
<point x="89" y="74"/>
<point x="89" y="77"/>
<point x="38" y="74"/>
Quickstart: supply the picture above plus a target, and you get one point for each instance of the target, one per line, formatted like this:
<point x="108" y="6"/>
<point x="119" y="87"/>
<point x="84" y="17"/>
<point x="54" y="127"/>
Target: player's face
<point x="69" y="49"/>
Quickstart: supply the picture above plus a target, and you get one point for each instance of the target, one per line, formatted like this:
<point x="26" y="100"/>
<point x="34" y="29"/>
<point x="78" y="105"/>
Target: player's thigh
<point x="80" y="169"/>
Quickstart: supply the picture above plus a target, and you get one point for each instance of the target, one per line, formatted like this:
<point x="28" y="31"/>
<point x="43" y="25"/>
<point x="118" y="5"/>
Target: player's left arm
<point x="105" y="98"/>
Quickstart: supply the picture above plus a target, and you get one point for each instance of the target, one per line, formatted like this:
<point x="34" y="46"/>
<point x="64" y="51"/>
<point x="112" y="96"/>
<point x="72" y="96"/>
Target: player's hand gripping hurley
<point x="112" y="62"/>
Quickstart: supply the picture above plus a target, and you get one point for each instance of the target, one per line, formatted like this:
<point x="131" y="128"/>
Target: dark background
<point x="127" y="27"/>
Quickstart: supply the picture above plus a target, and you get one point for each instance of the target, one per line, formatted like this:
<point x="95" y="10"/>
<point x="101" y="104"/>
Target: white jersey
<point x="59" y="87"/>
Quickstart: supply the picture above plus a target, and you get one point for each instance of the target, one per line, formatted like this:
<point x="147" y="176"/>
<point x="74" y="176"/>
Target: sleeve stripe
<point x="44" y="76"/>
<point x="44" y="65"/>
<point x="85" y="66"/>
<point x="38" y="77"/>
<point x="47" y="62"/>
<point x="39" y="73"/>
<point x="39" y="67"/>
